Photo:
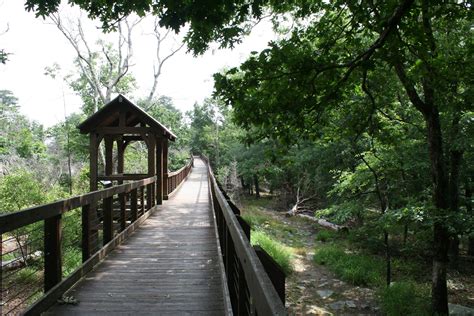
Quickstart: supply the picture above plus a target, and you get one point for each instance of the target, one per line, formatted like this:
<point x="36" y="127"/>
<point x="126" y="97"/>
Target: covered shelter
<point x="121" y="121"/>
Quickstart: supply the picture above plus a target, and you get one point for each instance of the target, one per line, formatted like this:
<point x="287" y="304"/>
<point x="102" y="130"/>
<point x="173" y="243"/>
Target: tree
<point x="338" y="46"/>
<point x="103" y="70"/>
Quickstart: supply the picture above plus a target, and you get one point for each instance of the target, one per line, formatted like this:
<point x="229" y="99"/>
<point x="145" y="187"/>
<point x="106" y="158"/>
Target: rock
<point x="324" y="293"/>
<point x="350" y="304"/>
<point x="460" y="310"/>
<point x="316" y="310"/>
<point x="337" y="305"/>
<point x="323" y="284"/>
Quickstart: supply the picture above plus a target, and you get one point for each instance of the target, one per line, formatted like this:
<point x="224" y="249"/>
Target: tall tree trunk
<point x="257" y="186"/>
<point x="468" y="194"/>
<point x="441" y="234"/>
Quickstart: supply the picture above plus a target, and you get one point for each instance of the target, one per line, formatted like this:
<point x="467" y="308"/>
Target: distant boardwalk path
<point x="169" y="266"/>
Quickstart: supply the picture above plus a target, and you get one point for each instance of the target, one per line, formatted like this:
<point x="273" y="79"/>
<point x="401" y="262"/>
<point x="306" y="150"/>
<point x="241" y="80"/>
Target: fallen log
<point x="322" y="222"/>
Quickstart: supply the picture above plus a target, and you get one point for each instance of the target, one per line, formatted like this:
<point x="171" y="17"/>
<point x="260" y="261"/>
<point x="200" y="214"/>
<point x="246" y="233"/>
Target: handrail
<point x="250" y="288"/>
<point x="48" y="236"/>
<point x="104" y="218"/>
<point x="177" y="177"/>
<point x="12" y="221"/>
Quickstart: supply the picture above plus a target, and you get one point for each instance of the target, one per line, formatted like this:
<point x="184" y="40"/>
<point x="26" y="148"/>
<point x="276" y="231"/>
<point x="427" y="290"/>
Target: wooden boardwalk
<point x="169" y="266"/>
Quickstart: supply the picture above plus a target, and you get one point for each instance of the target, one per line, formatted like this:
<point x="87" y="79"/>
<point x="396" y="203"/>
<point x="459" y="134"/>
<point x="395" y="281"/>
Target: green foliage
<point x="72" y="259"/>
<point x="20" y="190"/>
<point x="405" y="298"/>
<point x="326" y="235"/>
<point x="279" y="252"/>
<point x="255" y="220"/>
<point x="27" y="275"/>
<point x="356" y="269"/>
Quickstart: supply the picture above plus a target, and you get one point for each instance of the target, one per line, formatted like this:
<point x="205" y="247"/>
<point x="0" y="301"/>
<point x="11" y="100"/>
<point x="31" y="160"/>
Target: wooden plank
<point x="50" y="298"/>
<point x="171" y="264"/>
<point x="52" y="252"/>
<point x="124" y="130"/>
<point x="123" y="177"/>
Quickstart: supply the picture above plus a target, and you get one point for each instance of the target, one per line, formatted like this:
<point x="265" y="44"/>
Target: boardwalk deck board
<point x="169" y="266"/>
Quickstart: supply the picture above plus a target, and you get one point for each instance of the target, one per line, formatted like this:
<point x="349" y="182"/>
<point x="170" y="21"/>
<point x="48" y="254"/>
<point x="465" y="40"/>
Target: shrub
<point x="276" y="250"/>
<point x="405" y="298"/>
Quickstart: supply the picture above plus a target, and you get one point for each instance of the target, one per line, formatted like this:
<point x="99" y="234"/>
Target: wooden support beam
<point x="52" y="252"/>
<point x="123" y="217"/>
<point x="151" y="169"/>
<point x="107" y="223"/>
<point x="109" y="164"/>
<point x="159" y="171"/>
<point x="93" y="173"/>
<point x="120" y="156"/>
<point x="86" y="232"/>
<point x="125" y="130"/>
<point x="165" y="169"/>
<point x="93" y="159"/>
<point x="134" y="204"/>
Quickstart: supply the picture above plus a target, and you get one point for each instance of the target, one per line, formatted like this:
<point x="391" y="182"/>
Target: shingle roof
<point x="109" y="116"/>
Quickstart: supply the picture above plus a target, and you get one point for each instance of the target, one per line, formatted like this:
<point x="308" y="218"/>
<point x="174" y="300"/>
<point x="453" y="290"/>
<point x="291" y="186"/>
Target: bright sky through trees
<point x="34" y="44"/>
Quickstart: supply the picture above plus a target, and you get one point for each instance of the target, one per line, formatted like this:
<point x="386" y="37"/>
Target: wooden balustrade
<point x="107" y="217"/>
<point x="177" y="177"/>
<point x="255" y="282"/>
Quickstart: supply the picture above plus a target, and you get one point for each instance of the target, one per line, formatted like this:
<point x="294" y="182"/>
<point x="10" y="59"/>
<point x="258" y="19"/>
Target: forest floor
<point x="311" y="289"/>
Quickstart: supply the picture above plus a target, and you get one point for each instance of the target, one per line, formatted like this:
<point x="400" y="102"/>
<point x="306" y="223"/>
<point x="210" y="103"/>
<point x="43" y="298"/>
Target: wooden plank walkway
<point x="169" y="266"/>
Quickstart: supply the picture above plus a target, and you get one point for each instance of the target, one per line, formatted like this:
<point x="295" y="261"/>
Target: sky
<point x="35" y="43"/>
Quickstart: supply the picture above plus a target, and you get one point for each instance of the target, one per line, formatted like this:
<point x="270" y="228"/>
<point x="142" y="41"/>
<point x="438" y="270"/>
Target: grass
<point x="405" y="298"/>
<point x="356" y="269"/>
<point x="326" y="235"/>
<point x="279" y="252"/>
<point x="26" y="275"/>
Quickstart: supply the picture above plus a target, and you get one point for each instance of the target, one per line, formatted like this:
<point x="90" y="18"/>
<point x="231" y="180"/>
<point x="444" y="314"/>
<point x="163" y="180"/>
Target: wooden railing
<point x="251" y="290"/>
<point x="46" y="249"/>
<point x="177" y="177"/>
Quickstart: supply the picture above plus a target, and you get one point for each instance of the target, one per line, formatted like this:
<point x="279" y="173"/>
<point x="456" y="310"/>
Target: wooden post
<point x="109" y="164"/>
<point x="93" y="157"/>
<point x="151" y="169"/>
<point x="123" y="217"/>
<point x="159" y="171"/>
<point x="92" y="213"/>
<point x="108" y="222"/>
<point x="165" y="169"/>
<point x="142" y="199"/>
<point x="120" y="168"/>
<point x="52" y="252"/>
<point x="133" y="204"/>
<point x="86" y="232"/>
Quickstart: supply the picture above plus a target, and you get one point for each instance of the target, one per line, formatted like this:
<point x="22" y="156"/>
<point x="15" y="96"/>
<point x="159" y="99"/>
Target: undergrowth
<point x="279" y="252"/>
<point x="353" y="268"/>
